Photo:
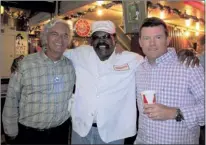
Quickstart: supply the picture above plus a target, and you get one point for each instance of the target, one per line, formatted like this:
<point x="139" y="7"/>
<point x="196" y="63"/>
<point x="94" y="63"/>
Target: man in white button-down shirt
<point x="104" y="103"/>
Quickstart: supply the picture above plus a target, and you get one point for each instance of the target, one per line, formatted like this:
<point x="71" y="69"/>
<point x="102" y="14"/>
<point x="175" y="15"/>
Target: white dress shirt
<point x="105" y="89"/>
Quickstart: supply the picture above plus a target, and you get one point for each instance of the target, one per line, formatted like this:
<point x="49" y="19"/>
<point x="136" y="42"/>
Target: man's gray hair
<point x="51" y="24"/>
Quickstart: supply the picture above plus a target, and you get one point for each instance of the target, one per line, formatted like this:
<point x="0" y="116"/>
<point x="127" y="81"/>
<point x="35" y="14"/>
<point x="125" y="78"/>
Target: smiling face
<point x="103" y="44"/>
<point x="153" y="41"/>
<point x="57" y="39"/>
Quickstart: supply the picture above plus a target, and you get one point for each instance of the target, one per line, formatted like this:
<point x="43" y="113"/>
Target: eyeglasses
<point x="107" y="36"/>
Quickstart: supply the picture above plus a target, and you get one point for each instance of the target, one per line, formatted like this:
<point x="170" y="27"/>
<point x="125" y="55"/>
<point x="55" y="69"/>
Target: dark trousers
<point x="202" y="135"/>
<point x="57" y="135"/>
<point x="2" y="107"/>
<point x="130" y="140"/>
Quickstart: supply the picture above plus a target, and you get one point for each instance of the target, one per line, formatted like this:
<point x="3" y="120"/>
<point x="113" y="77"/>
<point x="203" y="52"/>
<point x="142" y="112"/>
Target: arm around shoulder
<point x="195" y="115"/>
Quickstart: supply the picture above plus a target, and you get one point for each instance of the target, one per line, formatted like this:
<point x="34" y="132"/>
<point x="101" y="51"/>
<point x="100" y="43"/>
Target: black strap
<point x="94" y="125"/>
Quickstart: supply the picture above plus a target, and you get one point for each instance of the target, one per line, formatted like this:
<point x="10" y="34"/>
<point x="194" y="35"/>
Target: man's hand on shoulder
<point x="188" y="56"/>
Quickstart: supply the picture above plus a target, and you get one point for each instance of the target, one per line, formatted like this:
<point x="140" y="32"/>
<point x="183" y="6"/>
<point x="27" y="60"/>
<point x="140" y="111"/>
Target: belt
<point x="35" y="129"/>
<point x="43" y="130"/>
<point x="94" y="125"/>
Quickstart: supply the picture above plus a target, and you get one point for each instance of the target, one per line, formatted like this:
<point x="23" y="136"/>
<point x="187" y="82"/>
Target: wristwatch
<point x="179" y="116"/>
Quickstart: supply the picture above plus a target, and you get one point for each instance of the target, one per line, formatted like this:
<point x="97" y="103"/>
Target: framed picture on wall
<point x="134" y="12"/>
<point x="21" y="43"/>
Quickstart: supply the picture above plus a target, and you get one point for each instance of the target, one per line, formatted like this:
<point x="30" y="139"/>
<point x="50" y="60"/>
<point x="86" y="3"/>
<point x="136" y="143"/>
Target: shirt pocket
<point x="38" y="83"/>
<point x="168" y="95"/>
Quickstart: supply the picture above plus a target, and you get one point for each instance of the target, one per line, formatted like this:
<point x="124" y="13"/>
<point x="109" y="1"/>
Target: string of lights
<point x="170" y="10"/>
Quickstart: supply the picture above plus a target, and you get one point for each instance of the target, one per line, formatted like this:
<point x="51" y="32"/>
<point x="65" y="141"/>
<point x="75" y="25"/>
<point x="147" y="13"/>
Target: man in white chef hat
<point x="103" y="107"/>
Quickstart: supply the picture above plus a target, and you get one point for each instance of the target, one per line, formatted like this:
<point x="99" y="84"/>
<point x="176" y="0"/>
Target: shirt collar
<point x="168" y="56"/>
<point x="46" y="58"/>
<point x="108" y="61"/>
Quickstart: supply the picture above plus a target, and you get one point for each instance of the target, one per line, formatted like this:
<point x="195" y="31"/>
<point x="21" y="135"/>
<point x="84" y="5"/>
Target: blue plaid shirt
<point x="38" y="94"/>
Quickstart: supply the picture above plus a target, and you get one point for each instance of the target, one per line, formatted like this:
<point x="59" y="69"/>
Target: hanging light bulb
<point x="70" y="23"/>
<point x="99" y="12"/>
<point x="99" y="3"/>
<point x="187" y="22"/>
<point x="162" y="14"/>
<point x="2" y="9"/>
<point x="197" y="33"/>
<point x="197" y="26"/>
<point x="187" y="33"/>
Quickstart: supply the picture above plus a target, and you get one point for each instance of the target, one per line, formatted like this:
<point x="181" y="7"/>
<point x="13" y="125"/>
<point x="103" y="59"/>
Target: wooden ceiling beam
<point x="36" y="6"/>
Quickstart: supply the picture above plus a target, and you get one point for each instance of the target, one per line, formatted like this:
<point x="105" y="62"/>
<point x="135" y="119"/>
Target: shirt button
<point x="97" y="96"/>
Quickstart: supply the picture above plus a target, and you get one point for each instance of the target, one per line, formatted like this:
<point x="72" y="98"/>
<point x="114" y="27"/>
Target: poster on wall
<point x="21" y="43"/>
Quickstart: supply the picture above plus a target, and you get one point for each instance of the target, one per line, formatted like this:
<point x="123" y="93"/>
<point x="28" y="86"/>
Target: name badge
<point x="121" y="67"/>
